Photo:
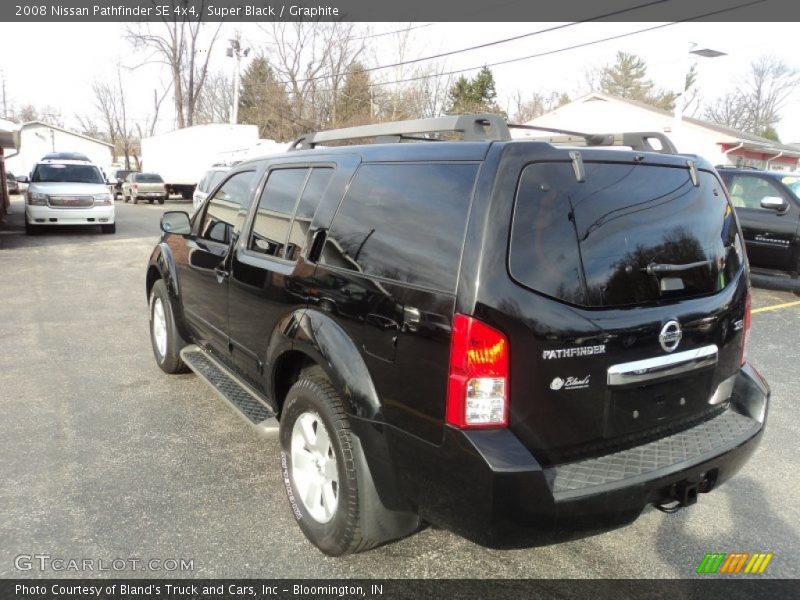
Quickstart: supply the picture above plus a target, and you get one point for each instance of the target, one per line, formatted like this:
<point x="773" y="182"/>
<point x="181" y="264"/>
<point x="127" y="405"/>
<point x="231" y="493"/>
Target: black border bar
<point x="400" y="10"/>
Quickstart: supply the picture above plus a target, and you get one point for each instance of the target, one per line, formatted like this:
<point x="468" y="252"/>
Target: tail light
<point x="477" y="391"/>
<point x="746" y="328"/>
<point x="136" y="186"/>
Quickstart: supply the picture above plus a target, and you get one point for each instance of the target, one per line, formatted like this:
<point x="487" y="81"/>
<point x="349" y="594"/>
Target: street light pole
<point x="236" y="52"/>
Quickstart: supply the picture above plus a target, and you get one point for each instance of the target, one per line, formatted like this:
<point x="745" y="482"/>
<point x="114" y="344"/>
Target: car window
<point x="227" y="208"/>
<point x="66" y="173"/>
<point x="403" y="222"/>
<point x="592" y="243"/>
<point x="793" y="183"/>
<point x="149" y="178"/>
<point x="312" y="195"/>
<point x="275" y="210"/>
<point x="214" y="178"/>
<point x="747" y="191"/>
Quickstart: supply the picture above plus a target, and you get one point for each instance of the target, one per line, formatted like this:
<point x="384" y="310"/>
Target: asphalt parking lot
<point x="103" y="456"/>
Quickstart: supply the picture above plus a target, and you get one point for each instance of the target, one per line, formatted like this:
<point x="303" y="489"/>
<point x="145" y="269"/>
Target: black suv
<point x="503" y="338"/>
<point x="768" y="206"/>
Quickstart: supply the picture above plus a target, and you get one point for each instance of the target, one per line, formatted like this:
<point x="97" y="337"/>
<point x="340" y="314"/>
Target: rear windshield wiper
<point x="656" y="268"/>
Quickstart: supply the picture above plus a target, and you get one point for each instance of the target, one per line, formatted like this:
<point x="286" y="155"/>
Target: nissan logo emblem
<point x="670" y="336"/>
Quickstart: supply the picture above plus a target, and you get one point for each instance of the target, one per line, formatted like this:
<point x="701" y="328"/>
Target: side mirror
<point x="775" y="203"/>
<point x="176" y="221"/>
<point x="23" y="179"/>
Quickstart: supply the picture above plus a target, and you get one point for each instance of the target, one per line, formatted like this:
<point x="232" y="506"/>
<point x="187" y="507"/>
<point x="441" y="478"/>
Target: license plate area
<point x="640" y="407"/>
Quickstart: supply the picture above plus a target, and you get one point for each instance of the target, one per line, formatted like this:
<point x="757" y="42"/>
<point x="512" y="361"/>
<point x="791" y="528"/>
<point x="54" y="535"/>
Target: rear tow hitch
<point x="684" y="493"/>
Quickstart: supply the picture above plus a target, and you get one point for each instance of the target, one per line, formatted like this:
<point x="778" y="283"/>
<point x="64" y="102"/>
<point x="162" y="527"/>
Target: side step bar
<point x="237" y="395"/>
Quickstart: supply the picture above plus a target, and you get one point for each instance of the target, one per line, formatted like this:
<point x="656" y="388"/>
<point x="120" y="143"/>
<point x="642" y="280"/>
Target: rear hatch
<point x="148" y="185"/>
<point x="630" y="299"/>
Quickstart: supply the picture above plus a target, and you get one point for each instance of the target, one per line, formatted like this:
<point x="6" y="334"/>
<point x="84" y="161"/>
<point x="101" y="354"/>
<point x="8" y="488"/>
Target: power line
<point x="489" y="44"/>
<point x="565" y="49"/>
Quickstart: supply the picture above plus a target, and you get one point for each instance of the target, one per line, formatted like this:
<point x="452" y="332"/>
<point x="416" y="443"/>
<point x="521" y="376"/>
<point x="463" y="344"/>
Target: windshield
<point x="149" y="178"/>
<point x="56" y="173"/>
<point x="793" y="183"/>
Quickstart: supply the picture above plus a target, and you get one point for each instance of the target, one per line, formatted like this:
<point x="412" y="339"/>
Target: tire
<point x="150" y="200"/>
<point x="167" y="349"/>
<point x="161" y="200"/>
<point x="333" y="527"/>
<point x="111" y="228"/>
<point x="31" y="229"/>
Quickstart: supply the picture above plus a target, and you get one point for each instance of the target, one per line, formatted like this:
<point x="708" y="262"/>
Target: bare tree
<point x="311" y="59"/>
<point x="755" y="104"/>
<point x="523" y="110"/>
<point x="46" y="114"/>
<point x="111" y="106"/>
<point x="214" y="103"/>
<point x="177" y="43"/>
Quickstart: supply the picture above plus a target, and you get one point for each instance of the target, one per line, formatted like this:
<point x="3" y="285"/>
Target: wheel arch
<point x="316" y="339"/>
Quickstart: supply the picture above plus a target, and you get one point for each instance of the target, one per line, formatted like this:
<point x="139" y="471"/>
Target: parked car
<point x="209" y="181"/>
<point x="144" y="186"/>
<point x="68" y="192"/>
<point x="12" y="184"/>
<point x="119" y="178"/>
<point x="768" y="206"/>
<point x="502" y="338"/>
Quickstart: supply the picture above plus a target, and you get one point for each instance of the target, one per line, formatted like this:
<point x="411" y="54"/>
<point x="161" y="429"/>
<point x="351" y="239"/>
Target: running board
<point x="238" y="396"/>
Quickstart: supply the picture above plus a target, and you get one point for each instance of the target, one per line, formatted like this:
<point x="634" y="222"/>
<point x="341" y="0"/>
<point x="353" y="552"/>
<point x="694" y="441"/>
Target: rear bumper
<point x="46" y="215"/>
<point x="486" y="485"/>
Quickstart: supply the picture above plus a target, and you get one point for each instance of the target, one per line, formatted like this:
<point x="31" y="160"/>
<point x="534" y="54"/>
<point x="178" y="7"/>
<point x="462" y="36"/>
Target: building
<point x="9" y="140"/>
<point x="38" y="138"/>
<point x="602" y="113"/>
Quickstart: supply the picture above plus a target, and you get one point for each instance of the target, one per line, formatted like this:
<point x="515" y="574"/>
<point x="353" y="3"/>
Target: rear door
<point x="270" y="274"/>
<point x="770" y="236"/>
<point x="628" y="310"/>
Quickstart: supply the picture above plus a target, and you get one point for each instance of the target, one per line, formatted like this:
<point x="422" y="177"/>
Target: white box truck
<point x="182" y="156"/>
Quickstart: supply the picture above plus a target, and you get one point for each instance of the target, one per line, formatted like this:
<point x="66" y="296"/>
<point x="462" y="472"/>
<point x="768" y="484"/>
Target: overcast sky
<point x="55" y="64"/>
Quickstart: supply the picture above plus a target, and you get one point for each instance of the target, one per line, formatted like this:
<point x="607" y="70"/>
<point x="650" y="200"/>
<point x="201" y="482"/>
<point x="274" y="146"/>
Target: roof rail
<point x="481" y="127"/>
<point x="640" y="141"/>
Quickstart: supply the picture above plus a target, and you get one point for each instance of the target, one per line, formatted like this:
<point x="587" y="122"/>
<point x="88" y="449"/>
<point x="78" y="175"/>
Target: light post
<point x="236" y="52"/>
<point x="681" y="101"/>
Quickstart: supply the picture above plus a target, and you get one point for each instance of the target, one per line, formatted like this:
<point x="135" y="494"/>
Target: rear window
<point x="148" y="178"/>
<point x="629" y="234"/>
<point x="66" y="173"/>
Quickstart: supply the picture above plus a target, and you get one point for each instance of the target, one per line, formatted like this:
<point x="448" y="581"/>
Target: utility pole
<point x="5" y="105"/>
<point x="236" y="52"/>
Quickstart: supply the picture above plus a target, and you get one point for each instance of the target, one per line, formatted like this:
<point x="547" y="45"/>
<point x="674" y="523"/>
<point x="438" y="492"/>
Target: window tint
<point x="312" y="195"/>
<point x="591" y="243"/>
<point x="275" y="210"/>
<point x="67" y="173"/>
<point x="747" y="191"/>
<point x="214" y="178"/>
<point x="148" y="178"/>
<point x="228" y="208"/>
<point x="404" y="222"/>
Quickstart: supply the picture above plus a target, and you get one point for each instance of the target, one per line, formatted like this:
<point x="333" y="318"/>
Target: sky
<point x="55" y="64"/>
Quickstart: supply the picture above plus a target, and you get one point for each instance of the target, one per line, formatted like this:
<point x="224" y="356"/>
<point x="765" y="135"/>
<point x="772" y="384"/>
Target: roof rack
<point x="480" y="127"/>
<point x="483" y="127"/>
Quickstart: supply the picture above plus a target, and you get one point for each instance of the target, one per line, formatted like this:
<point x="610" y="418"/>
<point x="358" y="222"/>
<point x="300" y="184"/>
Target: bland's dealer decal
<point x="570" y="383"/>
<point x="571" y="352"/>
